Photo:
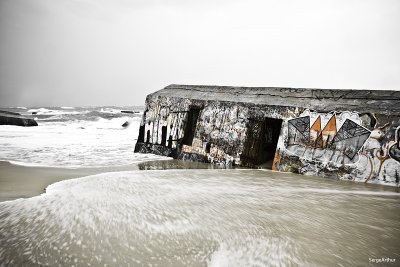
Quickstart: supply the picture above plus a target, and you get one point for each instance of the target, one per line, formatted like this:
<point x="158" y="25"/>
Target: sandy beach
<point x="22" y="182"/>
<point x="18" y="181"/>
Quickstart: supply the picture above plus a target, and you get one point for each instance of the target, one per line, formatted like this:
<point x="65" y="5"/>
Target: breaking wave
<point x="74" y="137"/>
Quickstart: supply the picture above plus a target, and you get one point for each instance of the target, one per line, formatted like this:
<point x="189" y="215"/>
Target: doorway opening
<point x="261" y="142"/>
<point x="163" y="135"/>
<point x="141" y="134"/>
<point x="148" y="137"/>
<point x="190" y="129"/>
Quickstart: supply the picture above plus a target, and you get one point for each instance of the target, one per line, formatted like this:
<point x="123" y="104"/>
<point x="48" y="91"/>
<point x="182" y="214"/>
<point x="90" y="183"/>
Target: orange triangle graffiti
<point x="315" y="130"/>
<point x="329" y="131"/>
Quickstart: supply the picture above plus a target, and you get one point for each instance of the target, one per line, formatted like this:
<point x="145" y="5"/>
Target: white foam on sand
<point x="336" y="191"/>
<point x="140" y="217"/>
<point x="194" y="218"/>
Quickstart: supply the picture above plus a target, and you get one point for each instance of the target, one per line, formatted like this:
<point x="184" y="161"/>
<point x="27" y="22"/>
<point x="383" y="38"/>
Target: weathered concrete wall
<point x="343" y="145"/>
<point x="352" y="135"/>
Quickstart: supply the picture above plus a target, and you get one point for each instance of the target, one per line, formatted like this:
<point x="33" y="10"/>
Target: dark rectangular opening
<point x="141" y="134"/>
<point x="190" y="129"/>
<point x="262" y="139"/>
<point x="163" y="135"/>
<point x="142" y="129"/>
<point x="148" y="137"/>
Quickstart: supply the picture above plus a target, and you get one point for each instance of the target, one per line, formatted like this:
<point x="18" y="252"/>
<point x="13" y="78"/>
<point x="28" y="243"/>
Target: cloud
<point x="116" y="52"/>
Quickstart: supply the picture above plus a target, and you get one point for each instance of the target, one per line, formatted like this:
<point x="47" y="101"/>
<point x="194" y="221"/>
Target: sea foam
<point x="194" y="218"/>
<point x="74" y="138"/>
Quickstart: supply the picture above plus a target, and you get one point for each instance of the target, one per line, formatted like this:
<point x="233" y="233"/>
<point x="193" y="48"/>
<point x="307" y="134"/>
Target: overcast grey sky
<point x="115" y="52"/>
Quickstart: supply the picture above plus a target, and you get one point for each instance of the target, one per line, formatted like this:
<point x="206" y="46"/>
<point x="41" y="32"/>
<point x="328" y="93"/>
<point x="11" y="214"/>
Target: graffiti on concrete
<point x="346" y="141"/>
<point x="299" y="130"/>
<point x="379" y="157"/>
<point x="350" y="138"/>
<point x="394" y="149"/>
<point x="315" y="130"/>
<point x="325" y="138"/>
<point x="340" y="145"/>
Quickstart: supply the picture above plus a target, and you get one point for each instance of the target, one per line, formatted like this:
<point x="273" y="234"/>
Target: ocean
<point x="162" y="212"/>
<point x="73" y="137"/>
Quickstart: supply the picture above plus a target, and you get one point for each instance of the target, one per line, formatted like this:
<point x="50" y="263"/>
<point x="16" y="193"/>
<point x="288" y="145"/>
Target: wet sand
<point x="18" y="181"/>
<point x="22" y="182"/>
<point x="25" y="181"/>
<point x="202" y="218"/>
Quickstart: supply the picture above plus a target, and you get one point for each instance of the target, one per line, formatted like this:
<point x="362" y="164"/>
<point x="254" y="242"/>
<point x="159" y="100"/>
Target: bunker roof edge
<point x="380" y="101"/>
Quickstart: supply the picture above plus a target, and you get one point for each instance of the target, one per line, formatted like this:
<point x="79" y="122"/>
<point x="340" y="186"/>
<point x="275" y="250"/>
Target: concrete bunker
<point x="341" y="134"/>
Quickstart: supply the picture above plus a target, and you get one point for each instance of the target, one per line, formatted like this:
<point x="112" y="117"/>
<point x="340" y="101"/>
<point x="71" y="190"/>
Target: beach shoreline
<point x="18" y="181"/>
